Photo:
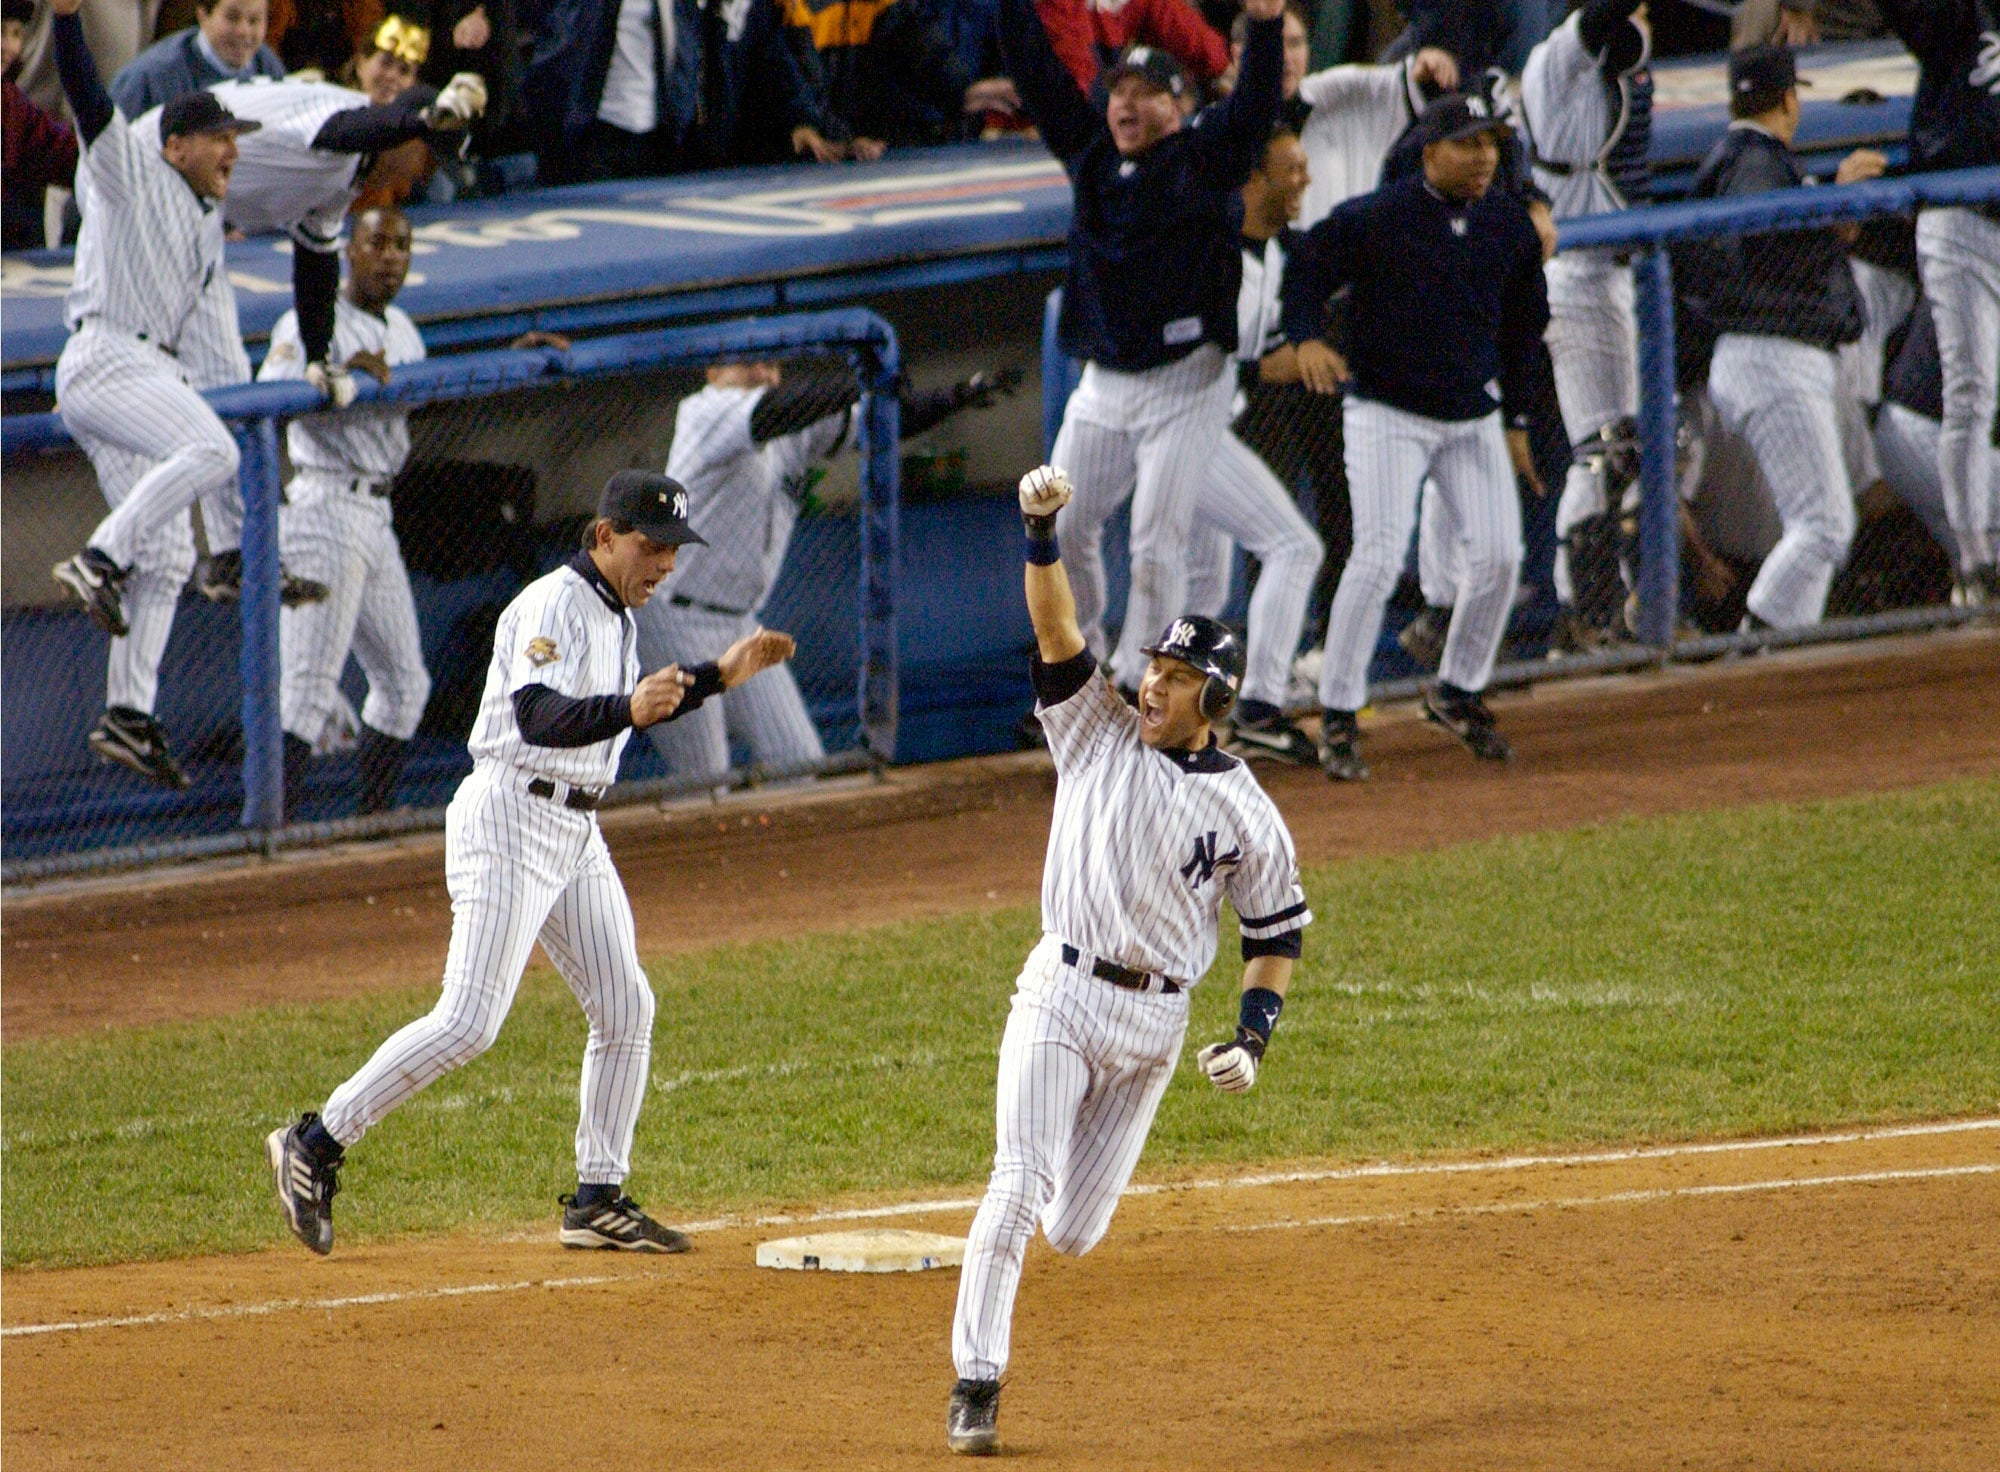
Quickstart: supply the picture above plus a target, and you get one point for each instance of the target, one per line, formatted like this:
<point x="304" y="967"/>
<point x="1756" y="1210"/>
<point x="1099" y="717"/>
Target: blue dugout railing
<point x="254" y="410"/>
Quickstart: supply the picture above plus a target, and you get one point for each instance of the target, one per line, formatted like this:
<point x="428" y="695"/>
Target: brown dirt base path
<point x="970" y="835"/>
<point x="1828" y="1305"/>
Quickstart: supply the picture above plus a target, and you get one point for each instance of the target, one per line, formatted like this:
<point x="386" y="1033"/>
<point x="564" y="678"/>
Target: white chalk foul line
<point x="1224" y="1183"/>
<point x="1615" y="1198"/>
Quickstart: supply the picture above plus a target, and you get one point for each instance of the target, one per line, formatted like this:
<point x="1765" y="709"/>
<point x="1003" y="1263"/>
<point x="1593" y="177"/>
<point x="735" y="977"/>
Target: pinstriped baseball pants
<point x="1149" y="436"/>
<point x="1958" y="252"/>
<point x="1245" y="504"/>
<point x="152" y="589"/>
<point x="1593" y="341"/>
<point x="1083" y="1065"/>
<point x="1389" y="454"/>
<point x="1779" y="395"/>
<point x="521" y="869"/>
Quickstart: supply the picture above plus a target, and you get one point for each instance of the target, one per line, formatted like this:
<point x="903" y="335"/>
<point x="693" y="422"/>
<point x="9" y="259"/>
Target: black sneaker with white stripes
<point x="1271" y="737"/>
<point x="134" y="739"/>
<point x="306" y="1184"/>
<point x="1423" y="637"/>
<point x="96" y="581"/>
<point x="1465" y="715"/>
<point x="972" y="1420"/>
<point x="616" y="1224"/>
<point x="1340" y="747"/>
<point x="221" y="581"/>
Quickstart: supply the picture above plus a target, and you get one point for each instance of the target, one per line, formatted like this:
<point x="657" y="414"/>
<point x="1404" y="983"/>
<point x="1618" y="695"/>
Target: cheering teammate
<point x="525" y="861"/>
<point x="1587" y="100"/>
<point x="1149" y="300"/>
<point x="1153" y="827"/>
<point x="1448" y="301"/>
<point x="744" y="447"/>
<point x="149" y="270"/>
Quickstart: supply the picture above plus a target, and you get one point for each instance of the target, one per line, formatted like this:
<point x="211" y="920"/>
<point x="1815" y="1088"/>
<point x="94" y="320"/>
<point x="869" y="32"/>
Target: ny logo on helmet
<point x="1181" y="634"/>
<point x="1203" y="867"/>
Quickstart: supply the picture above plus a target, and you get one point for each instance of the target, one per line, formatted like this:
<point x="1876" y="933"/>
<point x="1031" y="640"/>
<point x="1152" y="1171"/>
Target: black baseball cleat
<point x="1423" y="637"/>
<point x="1465" y="715"/>
<point x="134" y="739"/>
<point x="295" y="591"/>
<point x="616" y="1224"/>
<point x="972" y="1421"/>
<point x="221" y="581"/>
<point x="1273" y="738"/>
<point x="1340" y="748"/>
<point x="306" y="1184"/>
<point x="96" y="581"/>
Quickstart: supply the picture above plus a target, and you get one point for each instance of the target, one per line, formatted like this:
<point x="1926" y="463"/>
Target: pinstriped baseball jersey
<point x="560" y="633"/>
<point x="1144" y="846"/>
<point x="282" y="184"/>
<point x="372" y="440"/>
<point x="1357" y="113"/>
<point x="149" y="247"/>
<point x="742" y="496"/>
<point x="1260" y="309"/>
<point x="1574" y="117"/>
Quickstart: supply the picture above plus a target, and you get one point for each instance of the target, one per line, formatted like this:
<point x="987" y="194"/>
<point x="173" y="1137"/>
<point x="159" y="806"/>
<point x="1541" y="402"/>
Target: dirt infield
<point x="1827" y="1303"/>
<point x="935" y="841"/>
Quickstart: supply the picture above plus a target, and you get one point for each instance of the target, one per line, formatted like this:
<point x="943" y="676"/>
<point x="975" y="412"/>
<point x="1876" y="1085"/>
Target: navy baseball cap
<point x="1152" y="65"/>
<point x="656" y="505"/>
<point x="201" y="112"/>
<point x="1763" y="74"/>
<point x="1460" y="115"/>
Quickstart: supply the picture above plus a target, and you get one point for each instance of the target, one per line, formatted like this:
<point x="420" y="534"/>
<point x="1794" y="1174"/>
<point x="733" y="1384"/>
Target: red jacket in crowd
<point x="1079" y="28"/>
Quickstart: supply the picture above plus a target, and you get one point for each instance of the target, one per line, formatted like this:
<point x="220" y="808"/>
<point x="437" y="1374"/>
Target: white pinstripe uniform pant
<point x="117" y="392"/>
<point x="1593" y="339"/>
<point x="1906" y="447"/>
<point x="522" y="868"/>
<point x="1149" y="436"/>
<point x="1389" y="454"/>
<point x="1246" y="504"/>
<point x="1958" y="255"/>
<point x="1886" y="299"/>
<point x="335" y="534"/>
<point x="1779" y="395"/>
<point x="1083" y="1065"/>
<point x="766" y="714"/>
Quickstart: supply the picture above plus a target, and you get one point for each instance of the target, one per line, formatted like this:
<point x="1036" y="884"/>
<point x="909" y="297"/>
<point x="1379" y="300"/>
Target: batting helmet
<point x="1210" y="647"/>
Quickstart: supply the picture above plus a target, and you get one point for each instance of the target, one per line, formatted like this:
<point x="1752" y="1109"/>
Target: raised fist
<point x="1231" y="1066"/>
<point x="1045" y="490"/>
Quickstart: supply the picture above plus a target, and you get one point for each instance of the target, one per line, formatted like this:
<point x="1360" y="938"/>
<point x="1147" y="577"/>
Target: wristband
<point x="1041" y="530"/>
<point x="1258" y="1015"/>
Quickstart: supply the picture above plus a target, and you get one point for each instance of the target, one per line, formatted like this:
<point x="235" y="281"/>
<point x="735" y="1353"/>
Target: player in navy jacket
<point x="1150" y="298"/>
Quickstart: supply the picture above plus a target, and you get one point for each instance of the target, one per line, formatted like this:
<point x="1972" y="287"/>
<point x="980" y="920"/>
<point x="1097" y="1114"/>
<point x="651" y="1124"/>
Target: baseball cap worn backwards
<point x="1763" y="72"/>
<point x="656" y="505"/>
<point x="201" y="112"/>
<point x="1460" y="115"/>
<point x="1149" y="64"/>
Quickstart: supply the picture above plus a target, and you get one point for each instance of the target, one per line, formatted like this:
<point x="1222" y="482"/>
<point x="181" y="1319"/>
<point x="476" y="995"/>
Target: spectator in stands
<point x="882" y="74"/>
<point x="114" y="30"/>
<point x="40" y="146"/>
<point x="1804" y="22"/>
<point x="479" y="36"/>
<point x="1088" y="34"/>
<point x="615" y="85"/>
<point x="389" y="62"/>
<point x="1783" y="303"/>
<point x="322" y="35"/>
<point x="756" y="105"/>
<point x="225" y="43"/>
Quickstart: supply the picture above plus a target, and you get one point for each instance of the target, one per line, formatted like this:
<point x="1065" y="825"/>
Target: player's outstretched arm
<point x="77" y="70"/>
<point x="1232" y="1066"/>
<point x="1045" y="490"/>
<point x="753" y="654"/>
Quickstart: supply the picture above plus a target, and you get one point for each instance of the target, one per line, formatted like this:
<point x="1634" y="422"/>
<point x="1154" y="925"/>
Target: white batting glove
<point x="1045" y="490"/>
<point x="333" y="381"/>
<point x="463" y="99"/>
<point x="1230" y="1066"/>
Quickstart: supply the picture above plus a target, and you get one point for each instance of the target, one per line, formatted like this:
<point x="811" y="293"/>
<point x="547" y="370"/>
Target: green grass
<point x="1762" y="969"/>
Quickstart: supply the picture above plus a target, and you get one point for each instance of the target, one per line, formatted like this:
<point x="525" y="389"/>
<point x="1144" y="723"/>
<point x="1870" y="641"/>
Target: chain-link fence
<point x="508" y="453"/>
<point x="1736" y="433"/>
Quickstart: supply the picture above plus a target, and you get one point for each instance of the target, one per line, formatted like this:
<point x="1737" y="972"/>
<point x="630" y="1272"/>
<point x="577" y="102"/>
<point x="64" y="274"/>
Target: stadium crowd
<point x="1834" y="380"/>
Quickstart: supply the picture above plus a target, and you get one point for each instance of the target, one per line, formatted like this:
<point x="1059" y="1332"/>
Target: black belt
<point x="1120" y="976"/>
<point x="580" y="798"/>
<point x="679" y="601"/>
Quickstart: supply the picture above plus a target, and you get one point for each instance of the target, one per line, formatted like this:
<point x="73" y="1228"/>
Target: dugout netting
<point x="509" y="450"/>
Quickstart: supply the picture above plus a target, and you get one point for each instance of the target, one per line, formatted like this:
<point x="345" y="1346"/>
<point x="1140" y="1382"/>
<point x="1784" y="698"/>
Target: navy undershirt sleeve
<point x="1055" y="683"/>
<point x="81" y="83"/>
<point x="550" y="718"/>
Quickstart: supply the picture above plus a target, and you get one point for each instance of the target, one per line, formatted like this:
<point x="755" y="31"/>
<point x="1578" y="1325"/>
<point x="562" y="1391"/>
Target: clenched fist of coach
<point x="1045" y="490"/>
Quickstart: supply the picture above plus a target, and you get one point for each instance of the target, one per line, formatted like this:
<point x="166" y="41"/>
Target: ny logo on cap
<point x="1139" y="55"/>
<point x="1477" y="107"/>
<point x="1181" y="633"/>
<point x="680" y="505"/>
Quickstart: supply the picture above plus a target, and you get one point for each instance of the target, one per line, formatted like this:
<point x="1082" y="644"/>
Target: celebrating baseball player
<point x="525" y="861"/>
<point x="744" y="447"/>
<point x="1149" y="299"/>
<point x="1955" y="124"/>
<point x="335" y="524"/>
<point x="1443" y="249"/>
<point x="1153" y="826"/>
<point x="1783" y="303"/>
<point x="1587" y="101"/>
<point x="149" y="270"/>
<point x="1245" y="502"/>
